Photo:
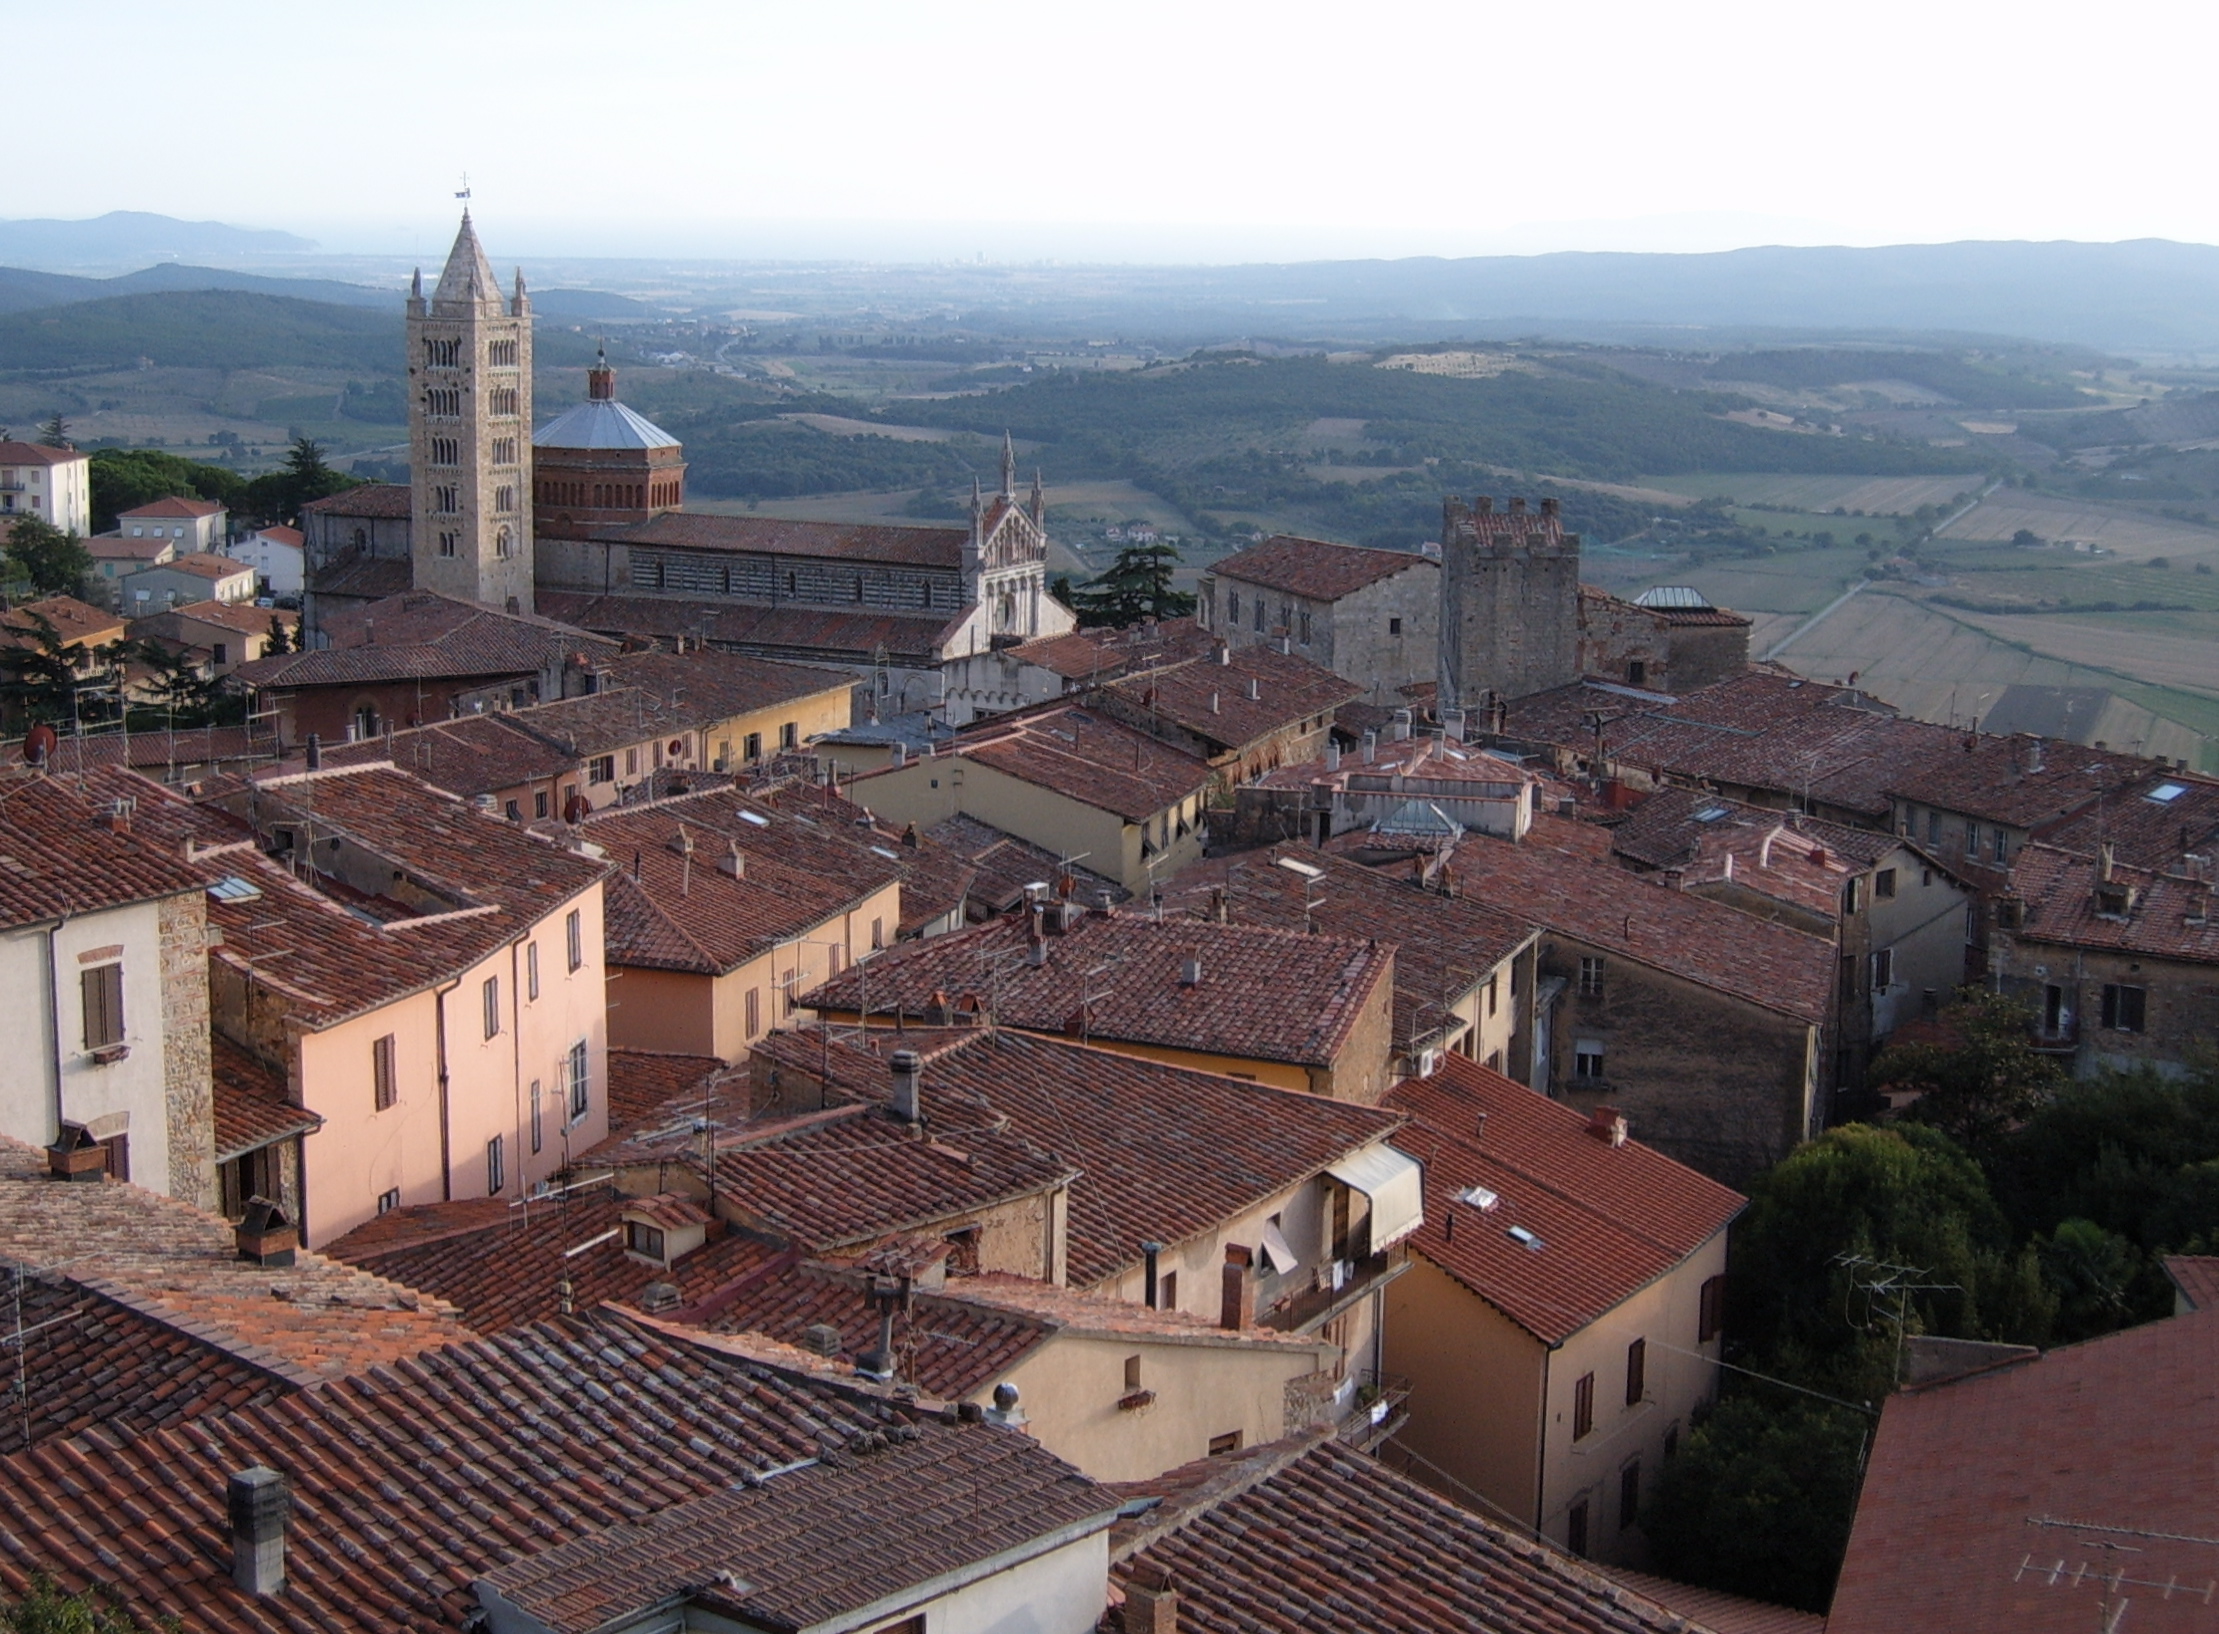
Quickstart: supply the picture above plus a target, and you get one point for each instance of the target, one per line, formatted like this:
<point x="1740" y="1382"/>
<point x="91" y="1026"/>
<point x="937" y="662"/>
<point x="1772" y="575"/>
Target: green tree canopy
<point x="1760" y="1499"/>
<point x="1136" y="587"/>
<point x="39" y="677"/>
<point x="47" y="1610"/>
<point x="56" y="563"/>
<point x="1904" y="1195"/>
<point x="125" y="478"/>
<point x="54" y="433"/>
<point x="304" y="476"/>
<point x="1983" y="1083"/>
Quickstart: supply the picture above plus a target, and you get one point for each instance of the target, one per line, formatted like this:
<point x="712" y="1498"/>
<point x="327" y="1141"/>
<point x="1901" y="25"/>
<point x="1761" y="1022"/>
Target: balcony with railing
<point x="1336" y="1286"/>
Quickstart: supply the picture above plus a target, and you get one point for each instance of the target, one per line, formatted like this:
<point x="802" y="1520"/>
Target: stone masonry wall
<point x="187" y="1087"/>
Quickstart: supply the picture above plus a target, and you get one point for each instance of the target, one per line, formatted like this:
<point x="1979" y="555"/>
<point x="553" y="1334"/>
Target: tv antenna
<point x="464" y="192"/>
<point x="1882" y="1282"/>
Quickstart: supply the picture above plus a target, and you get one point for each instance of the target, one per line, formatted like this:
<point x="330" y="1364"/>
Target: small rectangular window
<point x="2124" y="1008"/>
<point x="101" y="991"/>
<point x="388" y="1201"/>
<point x="754" y="1008"/>
<point x="1575" y="1529"/>
<point x="878" y="933"/>
<point x="751" y="746"/>
<point x="1883" y="970"/>
<point x="789" y="736"/>
<point x="1167" y="1291"/>
<point x="1883" y="885"/>
<point x="1999" y="845"/>
<point x="1224" y="1446"/>
<point x="538" y="1137"/>
<point x="539" y="804"/>
<point x="1587" y="1059"/>
<point x="1852" y="897"/>
<point x="384" y="1078"/>
<point x="496" y="1167"/>
<point x="644" y="1239"/>
<point x="1394" y="626"/>
<point x="1590" y="977"/>
<point x="1933" y="828"/>
<point x="1132" y="1372"/>
<point x="1629" y="1495"/>
<point x="581" y="1080"/>
<point x="601" y="769"/>
<point x="1491" y="982"/>
<point x="490" y="994"/>
<point x="531" y="966"/>
<point x="1583" y="1406"/>
<point x="1710" y="1310"/>
<point x="1637" y="1372"/>
<point x="574" y="931"/>
<point x="1972" y="841"/>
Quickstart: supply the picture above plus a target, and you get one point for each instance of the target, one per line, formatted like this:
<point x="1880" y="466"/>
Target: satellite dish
<point x="39" y="745"/>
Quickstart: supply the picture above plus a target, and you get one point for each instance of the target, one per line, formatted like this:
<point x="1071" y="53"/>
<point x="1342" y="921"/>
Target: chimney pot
<point x="260" y="1508"/>
<point x="1152" y="1252"/>
<point x="1371" y="747"/>
<point x="1224" y="652"/>
<point x="1190" y="973"/>
<point x="1239" y="1309"/>
<point x="821" y="1337"/>
<point x="1255" y="689"/>
<point x="315" y="752"/>
<point x="264" y="1236"/>
<point x="1332" y="756"/>
<point x="1213" y="703"/>
<point x="2106" y="859"/>
<point x="908" y="1066"/>
<point x="660" y="1296"/>
<point x="901" y="754"/>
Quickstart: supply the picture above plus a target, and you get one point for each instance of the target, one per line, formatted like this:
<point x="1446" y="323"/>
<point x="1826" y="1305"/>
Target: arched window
<point x="503" y="544"/>
<point x="361" y="538"/>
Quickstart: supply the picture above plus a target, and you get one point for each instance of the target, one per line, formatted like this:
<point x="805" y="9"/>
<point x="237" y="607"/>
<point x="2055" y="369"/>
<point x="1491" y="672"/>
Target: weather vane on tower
<point x="465" y="193"/>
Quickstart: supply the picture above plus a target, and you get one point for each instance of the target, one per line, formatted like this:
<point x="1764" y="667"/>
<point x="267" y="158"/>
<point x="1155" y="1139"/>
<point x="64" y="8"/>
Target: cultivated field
<point x="1795" y="581"/>
<point x="2134" y="535"/>
<point x="1873" y="496"/>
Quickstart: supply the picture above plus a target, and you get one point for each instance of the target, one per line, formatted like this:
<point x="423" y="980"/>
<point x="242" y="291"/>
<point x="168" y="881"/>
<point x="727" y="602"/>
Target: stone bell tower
<point x="470" y="432"/>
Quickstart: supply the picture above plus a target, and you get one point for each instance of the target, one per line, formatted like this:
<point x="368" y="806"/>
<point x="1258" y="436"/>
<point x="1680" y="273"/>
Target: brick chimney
<point x="1151" y="1600"/>
<point x="260" y="1509"/>
<point x="1607" y="1125"/>
<point x="1239" y="1310"/>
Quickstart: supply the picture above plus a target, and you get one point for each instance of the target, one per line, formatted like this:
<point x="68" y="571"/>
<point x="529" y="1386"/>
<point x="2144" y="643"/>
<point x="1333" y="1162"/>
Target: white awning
<point x="1279" y="1256"/>
<point x="1396" y="1186"/>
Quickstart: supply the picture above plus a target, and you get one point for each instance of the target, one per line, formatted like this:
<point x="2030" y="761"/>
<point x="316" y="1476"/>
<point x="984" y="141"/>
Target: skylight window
<point x="1302" y="868"/>
<point x="231" y="888"/>
<point x="890" y="856"/>
<point x="1526" y="1239"/>
<point x="1710" y="814"/>
<point x="2165" y="793"/>
<point x="755" y="817"/>
<point x="1479" y="1197"/>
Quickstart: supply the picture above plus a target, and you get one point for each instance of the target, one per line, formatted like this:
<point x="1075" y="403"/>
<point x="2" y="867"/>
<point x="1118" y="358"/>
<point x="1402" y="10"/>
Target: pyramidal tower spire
<point x="470" y="433"/>
<point x="1037" y="506"/>
<point x="1009" y="467"/>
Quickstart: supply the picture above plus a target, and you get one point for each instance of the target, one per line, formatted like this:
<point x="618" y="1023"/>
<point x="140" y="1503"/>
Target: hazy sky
<point x="1134" y="130"/>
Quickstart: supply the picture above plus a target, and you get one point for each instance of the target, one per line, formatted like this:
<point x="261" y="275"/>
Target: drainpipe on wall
<point x="54" y="1010"/>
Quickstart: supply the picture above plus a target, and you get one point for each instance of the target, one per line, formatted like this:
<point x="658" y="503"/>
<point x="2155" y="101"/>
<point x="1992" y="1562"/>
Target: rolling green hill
<point x="201" y="329"/>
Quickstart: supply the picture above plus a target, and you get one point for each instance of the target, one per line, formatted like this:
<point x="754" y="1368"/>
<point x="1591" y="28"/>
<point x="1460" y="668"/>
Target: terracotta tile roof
<point x="1083" y="755"/>
<point x="851" y="1176"/>
<point x="1761" y="729"/>
<point x="59" y="855"/>
<point x="469" y="755"/>
<point x="2148" y="826"/>
<point x="204" y="565"/>
<point x="1444" y="946"/>
<point x="1002" y="865"/>
<point x="641" y="1081"/>
<point x="408" y="1484"/>
<point x="1210" y="699"/>
<point x="907" y="546"/>
<point x="1314" y="569"/>
<point x="1163" y="1153"/>
<point x="162" y="749"/>
<point x="1604" y="905"/>
<point x="1073" y="1311"/>
<point x="1671" y="825"/>
<point x="251" y="1108"/>
<point x="308" y="1323"/>
<point x="172" y="507"/>
<point x="1264" y="993"/>
<point x="787" y="629"/>
<point x="116" y="547"/>
<point x="18" y="453"/>
<point x="948" y="1345"/>
<point x="1996" y="778"/>
<point x="2168" y="916"/>
<point x="2196" y="1276"/>
<point x="708" y="685"/>
<point x="74" y="621"/>
<point x="1425" y="762"/>
<point x="369" y="578"/>
<point x="502" y="1266"/>
<point x="822" y="1543"/>
<point x="95" y="1366"/>
<point x="384" y="501"/>
<point x="324" y="952"/>
<point x="936" y="879"/>
<point x="2115" y="1432"/>
<point x="1718" y="1612"/>
<point x="1612" y="1219"/>
<point x="667" y="912"/>
<point x="422" y="634"/>
<point x="1304" y="1535"/>
<point x="279" y="534"/>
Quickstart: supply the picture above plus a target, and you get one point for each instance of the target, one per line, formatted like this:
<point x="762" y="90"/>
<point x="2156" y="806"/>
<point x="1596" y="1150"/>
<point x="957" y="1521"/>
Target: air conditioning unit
<point x="1429" y="1062"/>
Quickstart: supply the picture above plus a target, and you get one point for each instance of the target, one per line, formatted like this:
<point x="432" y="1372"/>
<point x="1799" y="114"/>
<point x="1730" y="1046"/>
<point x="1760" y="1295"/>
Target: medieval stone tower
<point x="1510" y="600"/>
<point x="470" y="432"/>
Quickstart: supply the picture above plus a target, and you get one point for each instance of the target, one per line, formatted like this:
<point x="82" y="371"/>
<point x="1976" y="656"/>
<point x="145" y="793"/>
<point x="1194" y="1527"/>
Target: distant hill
<point x="177" y="275"/>
<point x="202" y="329"/>
<point x="21" y="290"/>
<point x="2146" y="294"/>
<point x="123" y="237"/>
<point x="585" y="305"/>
